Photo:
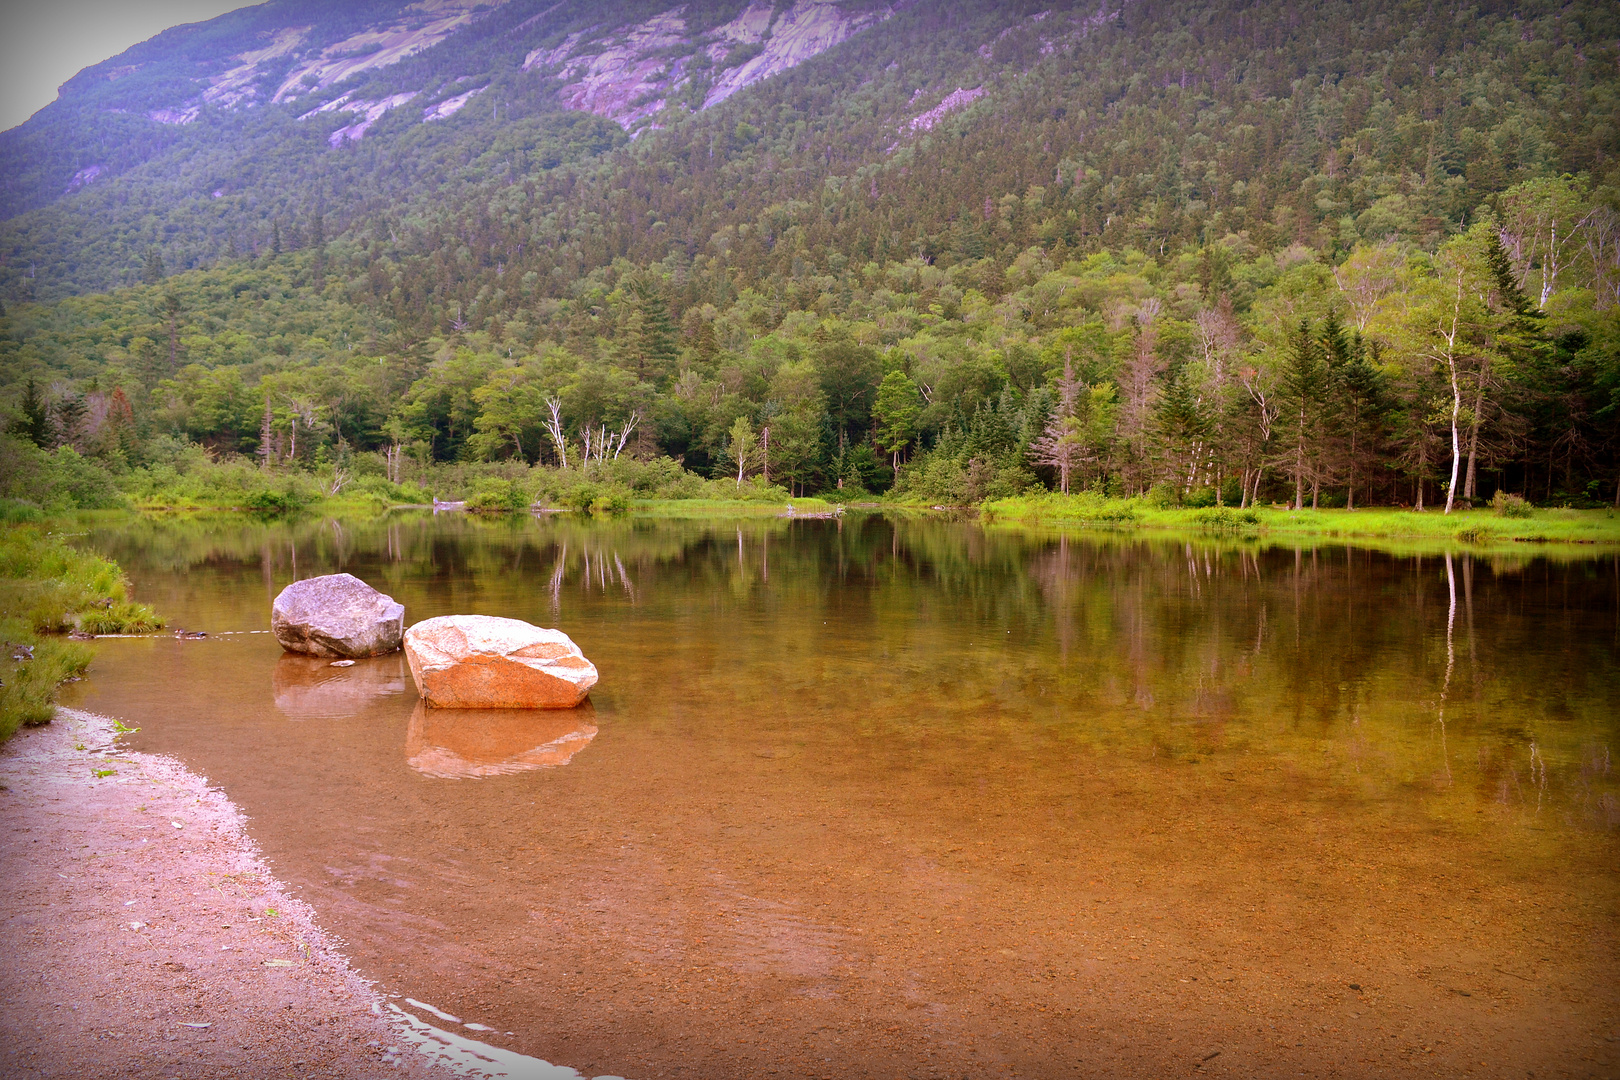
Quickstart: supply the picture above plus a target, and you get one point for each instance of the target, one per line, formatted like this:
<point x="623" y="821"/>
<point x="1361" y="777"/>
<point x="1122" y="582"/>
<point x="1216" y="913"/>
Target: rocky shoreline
<point x="145" y="937"/>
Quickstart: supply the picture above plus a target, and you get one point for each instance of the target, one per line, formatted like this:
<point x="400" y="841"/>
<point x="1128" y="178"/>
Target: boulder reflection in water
<point x="310" y="688"/>
<point x="468" y="743"/>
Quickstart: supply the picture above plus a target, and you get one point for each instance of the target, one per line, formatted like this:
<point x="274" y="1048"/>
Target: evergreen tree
<point x="1363" y="413"/>
<point x="69" y="419"/>
<point x="1181" y="426"/>
<point x="35" y="423"/>
<point x="1303" y="387"/>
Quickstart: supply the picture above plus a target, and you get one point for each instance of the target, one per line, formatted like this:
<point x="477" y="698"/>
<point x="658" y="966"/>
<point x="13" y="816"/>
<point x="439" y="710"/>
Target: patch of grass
<point x="1052" y="508"/>
<point x="1228" y="519"/>
<point x="46" y="588"/>
<point x="28" y="687"/>
<point x="1483" y="526"/>
<point x="124" y="618"/>
<point x="711" y="508"/>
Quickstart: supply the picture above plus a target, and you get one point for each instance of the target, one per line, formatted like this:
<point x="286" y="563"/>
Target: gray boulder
<point x="336" y="615"/>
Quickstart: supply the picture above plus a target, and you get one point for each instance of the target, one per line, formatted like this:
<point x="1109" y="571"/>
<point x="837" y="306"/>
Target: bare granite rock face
<point x="484" y="662"/>
<point x="337" y="615"/>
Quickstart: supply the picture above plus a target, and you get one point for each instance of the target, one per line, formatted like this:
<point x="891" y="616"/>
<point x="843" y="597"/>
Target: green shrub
<point x="499" y="497"/>
<point x="1473" y="534"/>
<point x="1511" y="506"/>
<point x="612" y="500"/>
<point x="54" y="480"/>
<point x="273" y="503"/>
<point x="593" y="498"/>
<point x="1198" y="498"/>
<point x="1163" y="497"/>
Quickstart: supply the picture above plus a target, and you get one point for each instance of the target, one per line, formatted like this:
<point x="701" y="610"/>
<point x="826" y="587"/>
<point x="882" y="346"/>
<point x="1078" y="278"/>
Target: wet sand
<point x="145" y="938"/>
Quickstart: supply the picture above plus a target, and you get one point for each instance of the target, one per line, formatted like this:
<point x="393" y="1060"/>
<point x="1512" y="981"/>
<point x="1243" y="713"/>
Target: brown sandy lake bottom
<point x="916" y="798"/>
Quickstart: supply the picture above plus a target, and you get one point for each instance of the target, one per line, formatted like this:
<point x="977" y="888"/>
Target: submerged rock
<point x="336" y="616"/>
<point x="465" y="744"/>
<point x="484" y="662"/>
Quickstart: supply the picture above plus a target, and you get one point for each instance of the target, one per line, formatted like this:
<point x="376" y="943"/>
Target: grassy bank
<point x="1478" y="527"/>
<point x="48" y="589"/>
<point x="678" y="508"/>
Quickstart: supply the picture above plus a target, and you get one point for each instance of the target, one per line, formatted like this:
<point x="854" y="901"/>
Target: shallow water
<point x="913" y="797"/>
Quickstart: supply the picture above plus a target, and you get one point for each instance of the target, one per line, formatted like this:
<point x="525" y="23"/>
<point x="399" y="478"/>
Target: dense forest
<point x="1330" y="255"/>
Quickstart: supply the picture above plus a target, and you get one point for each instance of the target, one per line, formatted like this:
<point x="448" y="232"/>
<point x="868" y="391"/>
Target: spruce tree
<point x="35" y="423"/>
<point x="1302" y="387"/>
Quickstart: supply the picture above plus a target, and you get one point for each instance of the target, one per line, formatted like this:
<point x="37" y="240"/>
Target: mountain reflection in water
<point x="890" y="796"/>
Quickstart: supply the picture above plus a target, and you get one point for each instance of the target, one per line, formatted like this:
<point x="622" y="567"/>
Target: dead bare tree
<point x="554" y="429"/>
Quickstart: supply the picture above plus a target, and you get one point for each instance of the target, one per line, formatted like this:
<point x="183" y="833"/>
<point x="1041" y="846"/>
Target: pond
<point x="905" y="796"/>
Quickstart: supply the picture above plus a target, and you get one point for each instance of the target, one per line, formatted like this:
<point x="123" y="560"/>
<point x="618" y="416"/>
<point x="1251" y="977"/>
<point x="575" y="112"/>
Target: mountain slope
<point x="682" y="218"/>
<point x="344" y="67"/>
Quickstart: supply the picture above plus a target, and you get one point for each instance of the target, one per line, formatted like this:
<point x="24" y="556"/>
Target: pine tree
<point x="70" y="414"/>
<point x="649" y="336"/>
<point x="154" y="271"/>
<point x="1363" y="413"/>
<point x="35" y="424"/>
<point x="1302" y="412"/>
<point x="1182" y="426"/>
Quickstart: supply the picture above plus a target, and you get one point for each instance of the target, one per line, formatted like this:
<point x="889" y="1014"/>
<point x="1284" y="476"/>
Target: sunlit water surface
<point x="914" y="797"/>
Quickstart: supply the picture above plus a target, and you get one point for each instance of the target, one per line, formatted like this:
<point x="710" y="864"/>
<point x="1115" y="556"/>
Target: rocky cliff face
<point x="629" y="72"/>
<point x="315" y="67"/>
<point x="635" y="71"/>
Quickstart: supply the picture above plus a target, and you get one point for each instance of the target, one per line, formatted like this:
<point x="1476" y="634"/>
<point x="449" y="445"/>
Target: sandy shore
<point x="144" y="937"/>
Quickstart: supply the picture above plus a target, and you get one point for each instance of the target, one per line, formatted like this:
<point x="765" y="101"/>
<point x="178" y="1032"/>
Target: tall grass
<point x="47" y="588"/>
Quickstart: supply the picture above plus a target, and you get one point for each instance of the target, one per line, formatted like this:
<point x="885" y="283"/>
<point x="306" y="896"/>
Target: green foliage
<point x="494" y="496"/>
<point x="59" y="479"/>
<point x="27" y="688"/>
<point x="593" y="498"/>
<point x="289" y="498"/>
<point x="47" y="587"/>
<point x="1509" y="505"/>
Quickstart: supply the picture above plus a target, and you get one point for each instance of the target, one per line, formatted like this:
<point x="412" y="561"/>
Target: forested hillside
<point x="1226" y="252"/>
